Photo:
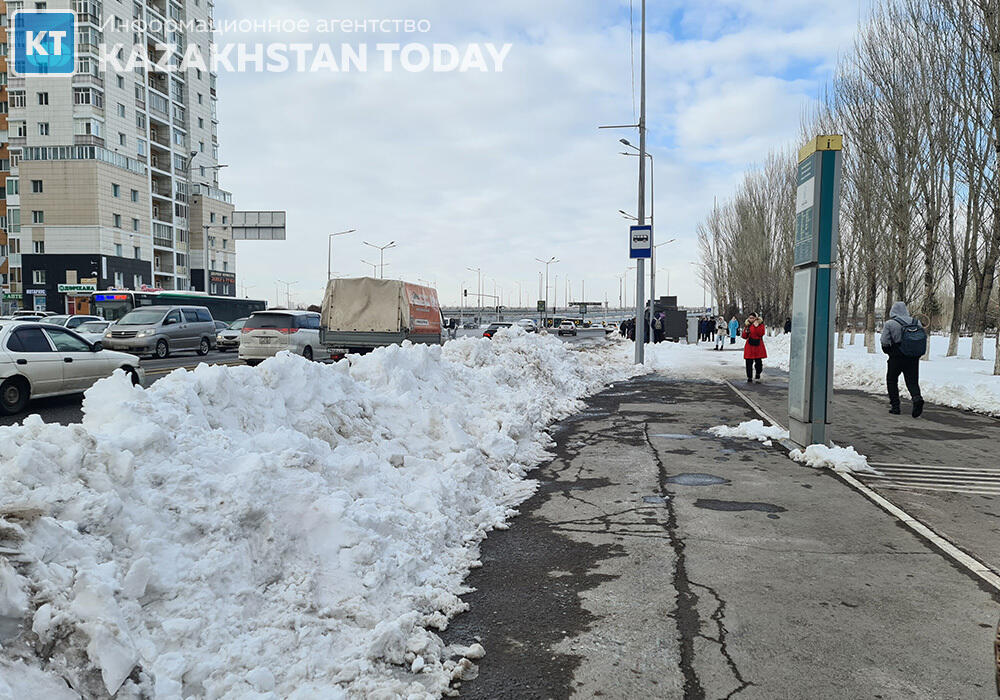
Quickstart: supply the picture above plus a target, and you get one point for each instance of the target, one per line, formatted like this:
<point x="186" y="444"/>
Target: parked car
<point x="494" y="327"/>
<point x="220" y="326"/>
<point x="162" y="330"/>
<point x="39" y="360"/>
<point x="266" y="333"/>
<point x="71" y="322"/>
<point x="566" y="328"/>
<point x="529" y="325"/>
<point x="229" y="338"/>
<point x="93" y="331"/>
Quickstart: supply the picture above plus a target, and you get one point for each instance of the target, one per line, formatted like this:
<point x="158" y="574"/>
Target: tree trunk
<point x="870" y="317"/>
<point x="956" y="323"/>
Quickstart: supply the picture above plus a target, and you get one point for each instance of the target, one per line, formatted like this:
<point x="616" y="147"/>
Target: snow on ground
<point x="291" y="531"/>
<point x="947" y="381"/>
<point x="752" y="430"/>
<point x="839" y="459"/>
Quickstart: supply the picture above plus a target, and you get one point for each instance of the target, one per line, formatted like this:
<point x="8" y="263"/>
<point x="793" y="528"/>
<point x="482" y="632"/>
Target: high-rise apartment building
<point x="113" y="176"/>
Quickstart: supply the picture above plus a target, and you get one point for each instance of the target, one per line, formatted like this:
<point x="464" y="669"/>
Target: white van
<point x="267" y="333"/>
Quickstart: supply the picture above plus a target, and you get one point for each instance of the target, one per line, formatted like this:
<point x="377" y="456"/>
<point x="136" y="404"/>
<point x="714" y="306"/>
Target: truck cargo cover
<point x="366" y="305"/>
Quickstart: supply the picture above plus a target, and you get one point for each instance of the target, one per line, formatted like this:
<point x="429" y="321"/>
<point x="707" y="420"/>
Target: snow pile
<point x="840" y="459"/>
<point x="290" y="531"/>
<point x="752" y="430"/>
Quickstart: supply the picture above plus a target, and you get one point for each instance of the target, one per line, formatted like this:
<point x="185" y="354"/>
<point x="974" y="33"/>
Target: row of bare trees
<point x="918" y="102"/>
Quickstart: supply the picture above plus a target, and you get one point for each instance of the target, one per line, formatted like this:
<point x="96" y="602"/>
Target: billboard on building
<point x="259" y="225"/>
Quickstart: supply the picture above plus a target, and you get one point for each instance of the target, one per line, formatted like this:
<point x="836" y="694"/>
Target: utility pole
<point x="479" y="289"/>
<point x="640" y="327"/>
<point x="546" y="297"/>
<point x="329" y="252"/>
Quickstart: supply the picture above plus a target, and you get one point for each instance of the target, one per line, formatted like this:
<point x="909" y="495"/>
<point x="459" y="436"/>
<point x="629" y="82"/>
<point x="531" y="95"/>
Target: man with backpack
<point x="904" y="340"/>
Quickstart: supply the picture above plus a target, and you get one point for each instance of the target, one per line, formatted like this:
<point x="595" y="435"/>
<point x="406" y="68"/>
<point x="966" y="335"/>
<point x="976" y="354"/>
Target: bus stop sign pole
<point x="814" y="299"/>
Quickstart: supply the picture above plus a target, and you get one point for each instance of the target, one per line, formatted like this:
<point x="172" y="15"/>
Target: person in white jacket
<point x="721" y="331"/>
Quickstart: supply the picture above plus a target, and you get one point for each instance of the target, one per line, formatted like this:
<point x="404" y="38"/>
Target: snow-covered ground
<point x="290" y="531"/>
<point x="948" y="381"/>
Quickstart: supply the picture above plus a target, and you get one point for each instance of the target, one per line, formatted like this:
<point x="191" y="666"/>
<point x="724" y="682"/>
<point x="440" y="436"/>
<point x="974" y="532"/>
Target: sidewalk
<point x="657" y="561"/>
<point x="941" y="468"/>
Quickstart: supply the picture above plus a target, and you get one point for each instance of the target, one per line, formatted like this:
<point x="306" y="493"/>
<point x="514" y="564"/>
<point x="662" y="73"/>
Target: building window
<point x="118" y="250"/>
<point x="137" y="281"/>
<point x="119" y="280"/>
<point x="225" y="219"/>
<point x="13" y="186"/>
<point x="38" y="217"/>
<point x="39" y="247"/>
<point x="116" y="190"/>
<point x="36" y="186"/>
<point x="43" y="98"/>
<point x="122" y="139"/>
<point x="38" y="276"/>
<point x="118" y="220"/>
<point x="17" y="98"/>
<point x="211" y="217"/>
<point x="135" y="195"/>
<point x="43" y="128"/>
<point x="225" y="267"/>
<point x="121" y="80"/>
<point x="135" y="224"/>
<point x="137" y="252"/>
<point x="121" y="110"/>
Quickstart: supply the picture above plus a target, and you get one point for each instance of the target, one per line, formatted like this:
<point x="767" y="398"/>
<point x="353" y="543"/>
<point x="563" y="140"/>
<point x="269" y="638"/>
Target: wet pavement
<point x="658" y="561"/>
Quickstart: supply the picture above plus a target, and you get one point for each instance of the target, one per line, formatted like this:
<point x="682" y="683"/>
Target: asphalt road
<point x="68" y="409"/>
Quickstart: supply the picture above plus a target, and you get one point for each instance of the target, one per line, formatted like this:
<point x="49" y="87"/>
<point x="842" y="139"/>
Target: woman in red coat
<point x="754" y="351"/>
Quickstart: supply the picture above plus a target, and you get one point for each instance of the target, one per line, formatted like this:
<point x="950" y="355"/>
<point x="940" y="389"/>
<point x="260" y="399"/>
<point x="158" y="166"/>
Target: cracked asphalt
<point x="658" y="561"/>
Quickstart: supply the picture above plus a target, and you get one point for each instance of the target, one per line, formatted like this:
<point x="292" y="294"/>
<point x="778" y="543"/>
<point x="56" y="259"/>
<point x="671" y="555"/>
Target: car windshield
<point x="141" y="317"/>
<point x="56" y="320"/>
<point x="93" y="327"/>
<point x="238" y="325"/>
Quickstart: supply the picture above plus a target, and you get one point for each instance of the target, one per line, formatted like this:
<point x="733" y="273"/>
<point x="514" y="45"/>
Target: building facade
<point x="113" y="176"/>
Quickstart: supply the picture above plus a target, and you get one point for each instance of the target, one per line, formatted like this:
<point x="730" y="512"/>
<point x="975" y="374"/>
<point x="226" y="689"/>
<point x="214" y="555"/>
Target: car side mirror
<point x="97" y="347"/>
<point x="169" y="322"/>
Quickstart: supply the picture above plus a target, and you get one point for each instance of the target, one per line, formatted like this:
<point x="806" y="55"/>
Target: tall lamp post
<point x="374" y="267"/>
<point x="381" y="253"/>
<point x="548" y="262"/>
<point x="329" y="252"/>
<point x="288" y="292"/>
<point x="479" y="290"/>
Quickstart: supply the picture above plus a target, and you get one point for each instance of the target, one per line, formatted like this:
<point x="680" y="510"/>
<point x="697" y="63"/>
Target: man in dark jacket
<point x="892" y="337"/>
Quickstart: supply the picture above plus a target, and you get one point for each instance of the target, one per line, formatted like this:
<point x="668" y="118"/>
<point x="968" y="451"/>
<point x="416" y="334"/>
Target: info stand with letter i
<point x="814" y="300"/>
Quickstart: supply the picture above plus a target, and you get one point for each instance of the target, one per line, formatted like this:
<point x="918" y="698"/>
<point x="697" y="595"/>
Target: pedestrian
<point x="658" y="328"/>
<point x="704" y="328"/>
<point x="734" y="330"/>
<point x="788" y="325"/>
<point x="754" y="352"/>
<point x="623" y="329"/>
<point x="904" y="340"/>
<point x="721" y="329"/>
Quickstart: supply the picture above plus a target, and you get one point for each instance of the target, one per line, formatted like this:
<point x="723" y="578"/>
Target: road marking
<point x="977" y="568"/>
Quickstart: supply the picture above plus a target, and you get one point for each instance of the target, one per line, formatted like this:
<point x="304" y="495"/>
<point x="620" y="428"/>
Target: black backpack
<point x="913" y="342"/>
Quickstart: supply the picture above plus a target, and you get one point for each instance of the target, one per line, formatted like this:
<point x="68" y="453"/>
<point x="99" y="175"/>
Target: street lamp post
<point x="288" y="292"/>
<point x="548" y="262"/>
<point x="381" y="252"/>
<point x="329" y="252"/>
<point x="479" y="289"/>
<point x="374" y="267"/>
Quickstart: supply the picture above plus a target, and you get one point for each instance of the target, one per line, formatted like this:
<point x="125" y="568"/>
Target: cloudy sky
<point x="493" y="170"/>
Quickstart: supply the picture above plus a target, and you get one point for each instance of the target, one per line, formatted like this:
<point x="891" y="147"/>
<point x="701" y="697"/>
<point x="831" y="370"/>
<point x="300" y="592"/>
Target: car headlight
<point x="219" y="338"/>
<point x="107" y="334"/>
<point x="145" y="333"/>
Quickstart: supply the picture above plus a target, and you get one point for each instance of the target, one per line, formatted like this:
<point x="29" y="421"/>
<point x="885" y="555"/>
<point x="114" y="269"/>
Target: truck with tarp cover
<point x="364" y="313"/>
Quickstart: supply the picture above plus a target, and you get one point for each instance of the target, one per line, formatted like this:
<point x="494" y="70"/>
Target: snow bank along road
<point x="289" y="531"/>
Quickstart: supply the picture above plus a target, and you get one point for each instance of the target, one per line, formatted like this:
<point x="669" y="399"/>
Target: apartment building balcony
<point x="87" y="140"/>
<point x="17" y="141"/>
<point x="163" y="243"/>
<point x="15" y="83"/>
<point x="88" y="79"/>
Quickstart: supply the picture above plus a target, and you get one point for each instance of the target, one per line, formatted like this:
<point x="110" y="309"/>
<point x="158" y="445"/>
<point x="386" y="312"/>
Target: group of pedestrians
<point x="659" y="326"/>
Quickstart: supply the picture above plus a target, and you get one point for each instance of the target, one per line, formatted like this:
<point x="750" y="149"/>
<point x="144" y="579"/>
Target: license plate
<point x="264" y="341"/>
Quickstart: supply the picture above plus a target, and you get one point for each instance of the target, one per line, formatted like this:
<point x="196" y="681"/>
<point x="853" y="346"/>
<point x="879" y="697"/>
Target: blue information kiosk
<point x="817" y="216"/>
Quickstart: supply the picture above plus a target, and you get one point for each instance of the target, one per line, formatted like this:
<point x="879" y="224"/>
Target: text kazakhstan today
<point x="277" y="57"/>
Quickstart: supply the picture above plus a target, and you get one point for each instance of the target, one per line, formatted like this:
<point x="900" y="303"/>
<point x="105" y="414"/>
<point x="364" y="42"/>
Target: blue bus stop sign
<point x="817" y="215"/>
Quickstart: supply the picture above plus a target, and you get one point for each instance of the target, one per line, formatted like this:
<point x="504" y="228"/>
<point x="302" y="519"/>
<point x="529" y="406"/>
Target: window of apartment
<point x="225" y="267"/>
<point x="119" y="280"/>
<point x="36" y="186"/>
<point x="38" y="217"/>
<point x="201" y="146"/>
<point x="211" y="241"/>
<point x="181" y="259"/>
<point x="135" y="224"/>
<point x="17" y="98"/>
<point x="13" y="186"/>
<point x="39" y="247"/>
<point x="140" y="146"/>
<point x="43" y="128"/>
<point x="136" y="279"/>
<point x="201" y="98"/>
<point x="137" y="254"/>
<point x="19" y="129"/>
<point x="121" y="110"/>
<point x="225" y="243"/>
<point x="140" y="120"/>
<point x="211" y="218"/>
<point x="117" y="220"/>
<point x="201" y="123"/>
<point x="118" y="250"/>
<point x="116" y="190"/>
<point x="121" y="82"/>
<point x="38" y="276"/>
<point x="225" y="219"/>
<point x="43" y="98"/>
<point x="3" y="105"/>
<point x="135" y="195"/>
<point x="122" y="139"/>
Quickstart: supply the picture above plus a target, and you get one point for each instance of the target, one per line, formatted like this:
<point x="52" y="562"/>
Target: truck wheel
<point x="162" y="350"/>
<point x="14" y="396"/>
<point x="308" y="353"/>
<point x="204" y="347"/>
